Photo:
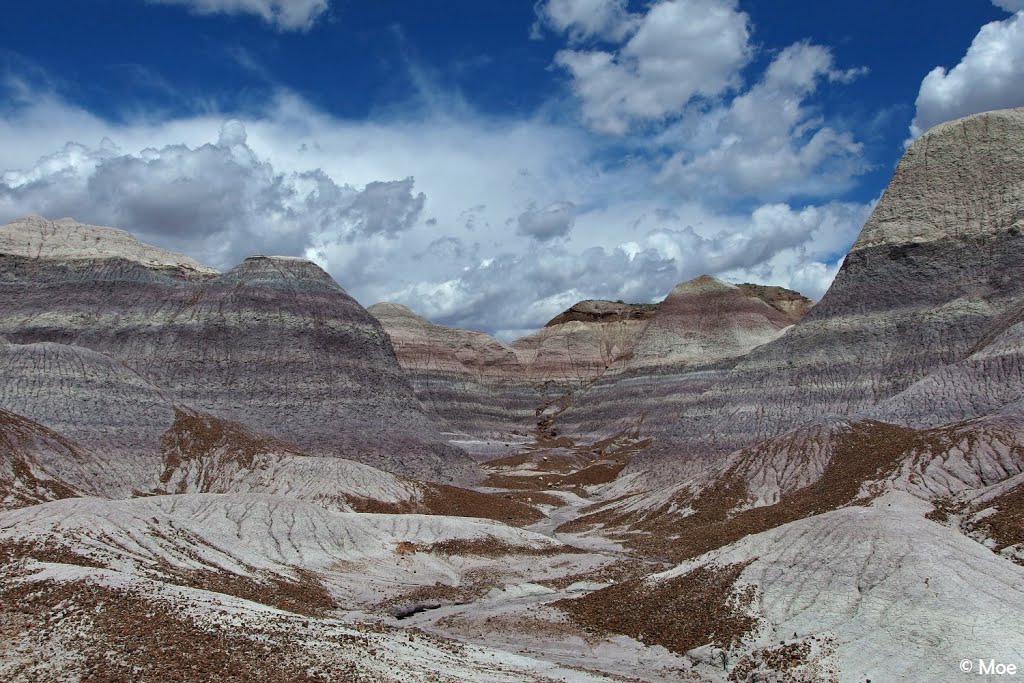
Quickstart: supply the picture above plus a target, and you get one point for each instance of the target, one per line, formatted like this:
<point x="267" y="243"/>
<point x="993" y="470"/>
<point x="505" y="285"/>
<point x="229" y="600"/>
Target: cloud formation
<point x="799" y="248"/>
<point x="674" y="75"/>
<point x="676" y="51"/>
<point x="585" y="19"/>
<point x="768" y="142"/>
<point x="218" y="201"/>
<point x="990" y="76"/>
<point x="554" y="220"/>
<point x="510" y="218"/>
<point x="1010" y="5"/>
<point x="285" y="15"/>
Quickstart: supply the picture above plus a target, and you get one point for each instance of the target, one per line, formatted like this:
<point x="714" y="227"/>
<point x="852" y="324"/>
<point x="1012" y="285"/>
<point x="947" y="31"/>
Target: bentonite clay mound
<point x="473" y="383"/>
<point x="936" y="269"/>
<point x="274" y="343"/>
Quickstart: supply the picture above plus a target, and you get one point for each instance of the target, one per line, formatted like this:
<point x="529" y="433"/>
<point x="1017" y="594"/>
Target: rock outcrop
<point x="67" y="239"/>
<point x="792" y="304"/>
<point x="585" y="342"/>
<point x="39" y="465"/>
<point x="475" y="384"/>
<point x="472" y="383"/>
<point x="94" y="402"/>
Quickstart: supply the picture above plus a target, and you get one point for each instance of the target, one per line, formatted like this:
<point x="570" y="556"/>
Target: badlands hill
<point x="729" y="485"/>
<point x="475" y="384"/>
<point x="274" y="344"/>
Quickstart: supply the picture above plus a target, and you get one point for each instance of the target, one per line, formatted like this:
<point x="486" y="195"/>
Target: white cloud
<point x="990" y="76"/>
<point x="286" y="15"/>
<point x="674" y="73"/>
<point x="292" y="179"/>
<point x="1010" y="5"/>
<point x="584" y="19"/>
<point x="776" y="244"/>
<point x="554" y="220"/>
<point x="768" y="142"/>
<point x="218" y="201"/>
<point x="678" y="50"/>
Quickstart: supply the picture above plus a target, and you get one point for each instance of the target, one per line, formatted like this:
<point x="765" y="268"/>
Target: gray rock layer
<point x="470" y="382"/>
<point x="935" y="273"/>
<point x="475" y="384"/>
<point x="274" y="343"/>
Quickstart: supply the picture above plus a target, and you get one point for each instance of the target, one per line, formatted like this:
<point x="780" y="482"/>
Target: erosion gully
<point x="563" y="478"/>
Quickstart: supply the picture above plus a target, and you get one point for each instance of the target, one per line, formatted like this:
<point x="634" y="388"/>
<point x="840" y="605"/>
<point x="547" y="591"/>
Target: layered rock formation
<point x="99" y="429"/>
<point x="39" y="465"/>
<point x="934" y="274"/>
<point x="67" y="239"/>
<point x="274" y="343"/>
<point x="94" y="402"/>
<point x="590" y="339"/>
<point x="705" y="320"/>
<point x="793" y="305"/>
<point x="475" y="384"/>
<point x="471" y="382"/>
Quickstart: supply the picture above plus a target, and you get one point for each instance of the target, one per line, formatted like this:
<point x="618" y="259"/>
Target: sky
<point x="490" y="163"/>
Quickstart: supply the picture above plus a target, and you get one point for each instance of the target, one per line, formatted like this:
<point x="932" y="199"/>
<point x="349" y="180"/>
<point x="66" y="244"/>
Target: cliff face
<point x="274" y="344"/>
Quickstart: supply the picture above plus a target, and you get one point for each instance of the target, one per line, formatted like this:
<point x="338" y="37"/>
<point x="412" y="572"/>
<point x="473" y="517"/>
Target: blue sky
<point x="490" y="163"/>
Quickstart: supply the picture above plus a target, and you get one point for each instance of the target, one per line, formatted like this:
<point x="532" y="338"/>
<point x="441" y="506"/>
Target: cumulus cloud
<point x="384" y="208"/>
<point x="1010" y="5"/>
<point x="674" y="73"/>
<point x="768" y="142"/>
<point x="285" y="15"/>
<point x="990" y="76"/>
<point x="219" y="199"/>
<point x="292" y="179"/>
<point x="585" y="19"/>
<point x="554" y="220"/>
<point x="676" y="51"/>
<point x="776" y="243"/>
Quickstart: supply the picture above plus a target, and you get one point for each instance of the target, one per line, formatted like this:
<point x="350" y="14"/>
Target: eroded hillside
<point x="247" y="476"/>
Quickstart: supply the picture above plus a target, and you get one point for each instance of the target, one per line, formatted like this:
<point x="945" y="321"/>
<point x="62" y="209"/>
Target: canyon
<point x="735" y="483"/>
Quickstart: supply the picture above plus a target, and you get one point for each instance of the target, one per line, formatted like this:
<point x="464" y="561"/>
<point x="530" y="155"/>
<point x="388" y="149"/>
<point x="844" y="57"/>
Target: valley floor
<point x="248" y="586"/>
